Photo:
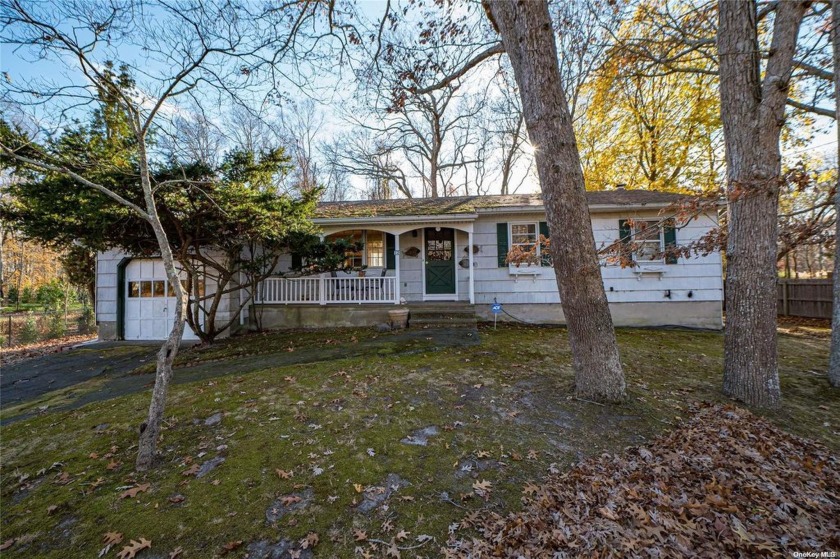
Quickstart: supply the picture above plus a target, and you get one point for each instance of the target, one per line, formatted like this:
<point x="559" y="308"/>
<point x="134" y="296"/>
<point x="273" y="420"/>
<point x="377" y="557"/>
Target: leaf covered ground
<point x="25" y="352"/>
<point x="725" y="483"/>
<point x="365" y="453"/>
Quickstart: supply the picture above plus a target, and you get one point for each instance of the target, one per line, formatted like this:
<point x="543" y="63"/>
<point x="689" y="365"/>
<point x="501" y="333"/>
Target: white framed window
<point x="375" y="249"/>
<point x="372" y="253"/>
<point x="525" y="236"/>
<point x="148" y="289"/>
<point x="529" y="240"/>
<point x="648" y="237"/>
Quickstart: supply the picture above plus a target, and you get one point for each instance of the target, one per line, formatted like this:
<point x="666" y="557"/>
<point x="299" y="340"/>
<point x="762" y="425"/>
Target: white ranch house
<point x="447" y="251"/>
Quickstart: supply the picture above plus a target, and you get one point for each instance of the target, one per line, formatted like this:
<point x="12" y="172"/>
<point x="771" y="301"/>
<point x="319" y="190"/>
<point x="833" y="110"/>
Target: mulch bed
<point x="725" y="483"/>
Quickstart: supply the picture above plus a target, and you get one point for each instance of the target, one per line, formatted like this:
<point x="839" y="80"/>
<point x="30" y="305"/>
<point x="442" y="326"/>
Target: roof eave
<point x="442" y="218"/>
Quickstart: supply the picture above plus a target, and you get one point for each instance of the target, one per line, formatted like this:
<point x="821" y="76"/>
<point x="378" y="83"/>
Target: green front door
<point x="440" y="261"/>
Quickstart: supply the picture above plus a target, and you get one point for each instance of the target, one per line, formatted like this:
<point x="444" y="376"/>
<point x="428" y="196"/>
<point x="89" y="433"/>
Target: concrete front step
<point x="441" y="320"/>
<point x="442" y="315"/>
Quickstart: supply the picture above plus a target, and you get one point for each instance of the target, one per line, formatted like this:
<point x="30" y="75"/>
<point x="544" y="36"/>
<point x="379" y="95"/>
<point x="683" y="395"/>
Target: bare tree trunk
<point x="147" y="446"/>
<point x="753" y="112"/>
<point x="527" y="34"/>
<point x="834" y="362"/>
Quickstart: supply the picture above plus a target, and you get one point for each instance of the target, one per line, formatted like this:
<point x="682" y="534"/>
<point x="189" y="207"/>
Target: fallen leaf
<point x="283" y="474"/>
<point x="290" y="500"/>
<point x="482" y="454"/>
<point x="359" y="535"/>
<point x="132" y="493"/>
<point x="311" y="540"/>
<point x="7" y="544"/>
<point x="402" y="535"/>
<point x="133" y="548"/>
<point x="51" y="509"/>
<point x="112" y="538"/>
<point x="113" y="465"/>
<point x="393" y="550"/>
<point x="191" y="471"/>
<point x="358" y="487"/>
<point x="175" y="553"/>
<point x="482" y="488"/>
<point x="607" y="513"/>
<point x="230" y="546"/>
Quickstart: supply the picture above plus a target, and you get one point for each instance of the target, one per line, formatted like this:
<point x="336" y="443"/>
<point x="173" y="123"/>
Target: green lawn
<point x="503" y="412"/>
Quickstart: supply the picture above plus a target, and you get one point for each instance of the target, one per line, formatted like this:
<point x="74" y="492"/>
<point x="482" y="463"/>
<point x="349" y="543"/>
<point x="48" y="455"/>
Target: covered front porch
<point x="404" y="260"/>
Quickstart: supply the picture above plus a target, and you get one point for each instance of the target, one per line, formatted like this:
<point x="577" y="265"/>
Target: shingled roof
<point x="475" y="204"/>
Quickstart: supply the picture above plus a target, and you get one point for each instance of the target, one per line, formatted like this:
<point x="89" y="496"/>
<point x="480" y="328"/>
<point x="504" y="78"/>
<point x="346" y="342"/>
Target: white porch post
<point x="397" y="267"/>
<point x="322" y="282"/>
<point x="472" y="270"/>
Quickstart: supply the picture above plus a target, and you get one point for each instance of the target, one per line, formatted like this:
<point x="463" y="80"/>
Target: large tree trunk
<point x="834" y="362"/>
<point x="753" y="112"/>
<point x="147" y="447"/>
<point x="528" y="37"/>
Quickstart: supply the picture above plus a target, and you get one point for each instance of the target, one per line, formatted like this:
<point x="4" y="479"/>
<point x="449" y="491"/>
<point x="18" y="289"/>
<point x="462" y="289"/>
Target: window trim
<point x="363" y="254"/>
<point x="541" y="262"/>
<point x="661" y="236"/>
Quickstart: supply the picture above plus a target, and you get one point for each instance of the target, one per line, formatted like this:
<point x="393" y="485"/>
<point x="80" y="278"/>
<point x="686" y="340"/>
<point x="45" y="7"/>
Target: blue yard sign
<point x="496" y="309"/>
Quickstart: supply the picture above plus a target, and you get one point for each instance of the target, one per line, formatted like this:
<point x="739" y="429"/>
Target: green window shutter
<point x="545" y="257"/>
<point x="502" y="243"/>
<point x="625" y="235"/>
<point x="624" y="231"/>
<point x="297" y="261"/>
<point x="670" y="241"/>
<point x="390" y="257"/>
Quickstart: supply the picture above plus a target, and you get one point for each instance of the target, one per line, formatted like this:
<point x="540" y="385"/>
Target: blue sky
<point x="22" y="66"/>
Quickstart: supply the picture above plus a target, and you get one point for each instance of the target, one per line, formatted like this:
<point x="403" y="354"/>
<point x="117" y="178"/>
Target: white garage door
<point x="149" y="303"/>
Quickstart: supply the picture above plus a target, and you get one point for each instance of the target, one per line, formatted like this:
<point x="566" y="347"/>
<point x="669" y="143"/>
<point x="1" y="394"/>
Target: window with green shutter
<point x="650" y="238"/>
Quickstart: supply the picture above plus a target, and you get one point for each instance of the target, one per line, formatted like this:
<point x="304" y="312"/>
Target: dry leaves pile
<point x="726" y="483"/>
<point x="22" y="353"/>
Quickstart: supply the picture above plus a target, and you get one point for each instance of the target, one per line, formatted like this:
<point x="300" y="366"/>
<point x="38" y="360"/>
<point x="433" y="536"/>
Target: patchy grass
<point x="503" y="410"/>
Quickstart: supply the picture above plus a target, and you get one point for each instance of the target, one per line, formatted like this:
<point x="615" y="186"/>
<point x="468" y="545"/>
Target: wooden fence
<point x="805" y="297"/>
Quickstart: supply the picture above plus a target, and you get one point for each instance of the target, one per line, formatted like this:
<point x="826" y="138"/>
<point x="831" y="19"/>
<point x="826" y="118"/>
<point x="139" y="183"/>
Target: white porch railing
<point x="324" y="290"/>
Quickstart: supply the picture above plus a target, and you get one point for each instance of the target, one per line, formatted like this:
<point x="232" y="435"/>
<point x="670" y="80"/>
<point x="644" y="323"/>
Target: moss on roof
<point x="474" y="204"/>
